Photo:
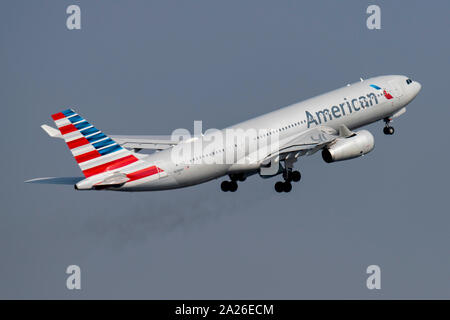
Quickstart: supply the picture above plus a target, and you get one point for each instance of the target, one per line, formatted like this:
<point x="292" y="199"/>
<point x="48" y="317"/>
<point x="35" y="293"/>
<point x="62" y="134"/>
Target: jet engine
<point x="360" y="143"/>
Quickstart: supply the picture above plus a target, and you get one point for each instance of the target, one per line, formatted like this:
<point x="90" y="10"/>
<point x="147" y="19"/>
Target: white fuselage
<point x="354" y="106"/>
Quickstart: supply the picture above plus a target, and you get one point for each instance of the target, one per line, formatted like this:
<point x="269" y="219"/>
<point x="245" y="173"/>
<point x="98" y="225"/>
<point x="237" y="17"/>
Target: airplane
<point x="267" y="145"/>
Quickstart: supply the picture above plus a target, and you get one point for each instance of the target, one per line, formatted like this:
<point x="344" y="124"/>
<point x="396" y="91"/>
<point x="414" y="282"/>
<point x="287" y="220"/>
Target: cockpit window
<point x="408" y="81"/>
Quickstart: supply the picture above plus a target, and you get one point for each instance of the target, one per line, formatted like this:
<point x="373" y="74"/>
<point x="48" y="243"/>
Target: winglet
<point x="52" y="132"/>
<point x="345" y="132"/>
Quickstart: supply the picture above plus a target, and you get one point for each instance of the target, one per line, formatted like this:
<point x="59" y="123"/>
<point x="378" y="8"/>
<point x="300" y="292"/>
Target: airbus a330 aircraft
<point x="322" y="123"/>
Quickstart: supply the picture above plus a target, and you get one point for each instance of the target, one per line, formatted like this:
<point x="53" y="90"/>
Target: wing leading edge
<point x="308" y="142"/>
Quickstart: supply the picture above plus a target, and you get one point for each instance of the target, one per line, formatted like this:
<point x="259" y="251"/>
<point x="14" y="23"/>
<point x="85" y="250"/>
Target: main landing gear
<point x="289" y="176"/>
<point x="232" y="185"/>
<point x="229" y="186"/>
<point x="387" y="128"/>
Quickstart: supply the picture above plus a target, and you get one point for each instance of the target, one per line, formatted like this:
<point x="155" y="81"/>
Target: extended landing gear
<point x="285" y="186"/>
<point x="232" y="185"/>
<point x="387" y="128"/>
<point x="288" y="176"/>
<point x="296" y="176"/>
<point x="229" y="186"/>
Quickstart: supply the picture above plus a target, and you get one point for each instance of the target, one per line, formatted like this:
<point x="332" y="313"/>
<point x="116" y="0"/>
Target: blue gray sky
<point x="149" y="67"/>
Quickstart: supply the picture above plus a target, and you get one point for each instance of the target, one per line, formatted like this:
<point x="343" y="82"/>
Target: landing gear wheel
<point x="296" y="176"/>
<point x="388" y="130"/>
<point x="225" y="186"/>
<point x="279" y="186"/>
<point x="233" y="186"/>
<point x="287" y="186"/>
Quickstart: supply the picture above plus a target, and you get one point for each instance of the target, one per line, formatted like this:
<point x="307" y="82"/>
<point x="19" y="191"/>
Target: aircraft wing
<point x="145" y="142"/>
<point x="308" y="142"/>
<point x="128" y="141"/>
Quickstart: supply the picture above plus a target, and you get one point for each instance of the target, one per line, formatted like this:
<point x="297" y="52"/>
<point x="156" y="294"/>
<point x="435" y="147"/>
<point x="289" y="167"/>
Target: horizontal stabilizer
<point x="56" y="180"/>
<point x="52" y="132"/>
<point x="115" y="179"/>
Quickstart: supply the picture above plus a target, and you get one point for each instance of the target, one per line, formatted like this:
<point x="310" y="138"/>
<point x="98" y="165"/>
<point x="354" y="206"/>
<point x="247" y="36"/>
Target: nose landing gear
<point x="388" y="130"/>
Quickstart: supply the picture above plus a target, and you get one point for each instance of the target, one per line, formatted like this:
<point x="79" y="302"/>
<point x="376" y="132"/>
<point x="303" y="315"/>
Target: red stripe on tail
<point x="87" y="156"/>
<point x="77" y="143"/>
<point x="67" y="129"/>
<point x="58" y="116"/>
<point x="115" y="164"/>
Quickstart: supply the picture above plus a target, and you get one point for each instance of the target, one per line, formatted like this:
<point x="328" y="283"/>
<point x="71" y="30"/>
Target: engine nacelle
<point x="348" y="148"/>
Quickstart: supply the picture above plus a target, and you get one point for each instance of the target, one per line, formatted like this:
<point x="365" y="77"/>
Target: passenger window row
<point x="289" y="126"/>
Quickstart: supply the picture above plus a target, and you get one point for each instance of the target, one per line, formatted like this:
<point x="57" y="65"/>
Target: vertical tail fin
<point x="93" y="150"/>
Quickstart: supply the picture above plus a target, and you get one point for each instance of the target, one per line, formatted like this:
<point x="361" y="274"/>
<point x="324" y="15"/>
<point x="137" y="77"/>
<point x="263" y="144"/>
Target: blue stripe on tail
<point x="76" y="118"/>
<point x="110" y="149"/>
<point x="68" y="112"/>
<point x="103" y="143"/>
<point x="96" y="137"/>
<point x="89" y="131"/>
<point x="82" y="125"/>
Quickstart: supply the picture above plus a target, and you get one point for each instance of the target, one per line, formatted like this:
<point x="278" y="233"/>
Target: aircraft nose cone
<point x="419" y="86"/>
<point x="416" y="89"/>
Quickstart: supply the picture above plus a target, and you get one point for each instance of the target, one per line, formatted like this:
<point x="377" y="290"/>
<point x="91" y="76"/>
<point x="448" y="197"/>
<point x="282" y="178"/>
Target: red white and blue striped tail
<point x="94" y="151"/>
